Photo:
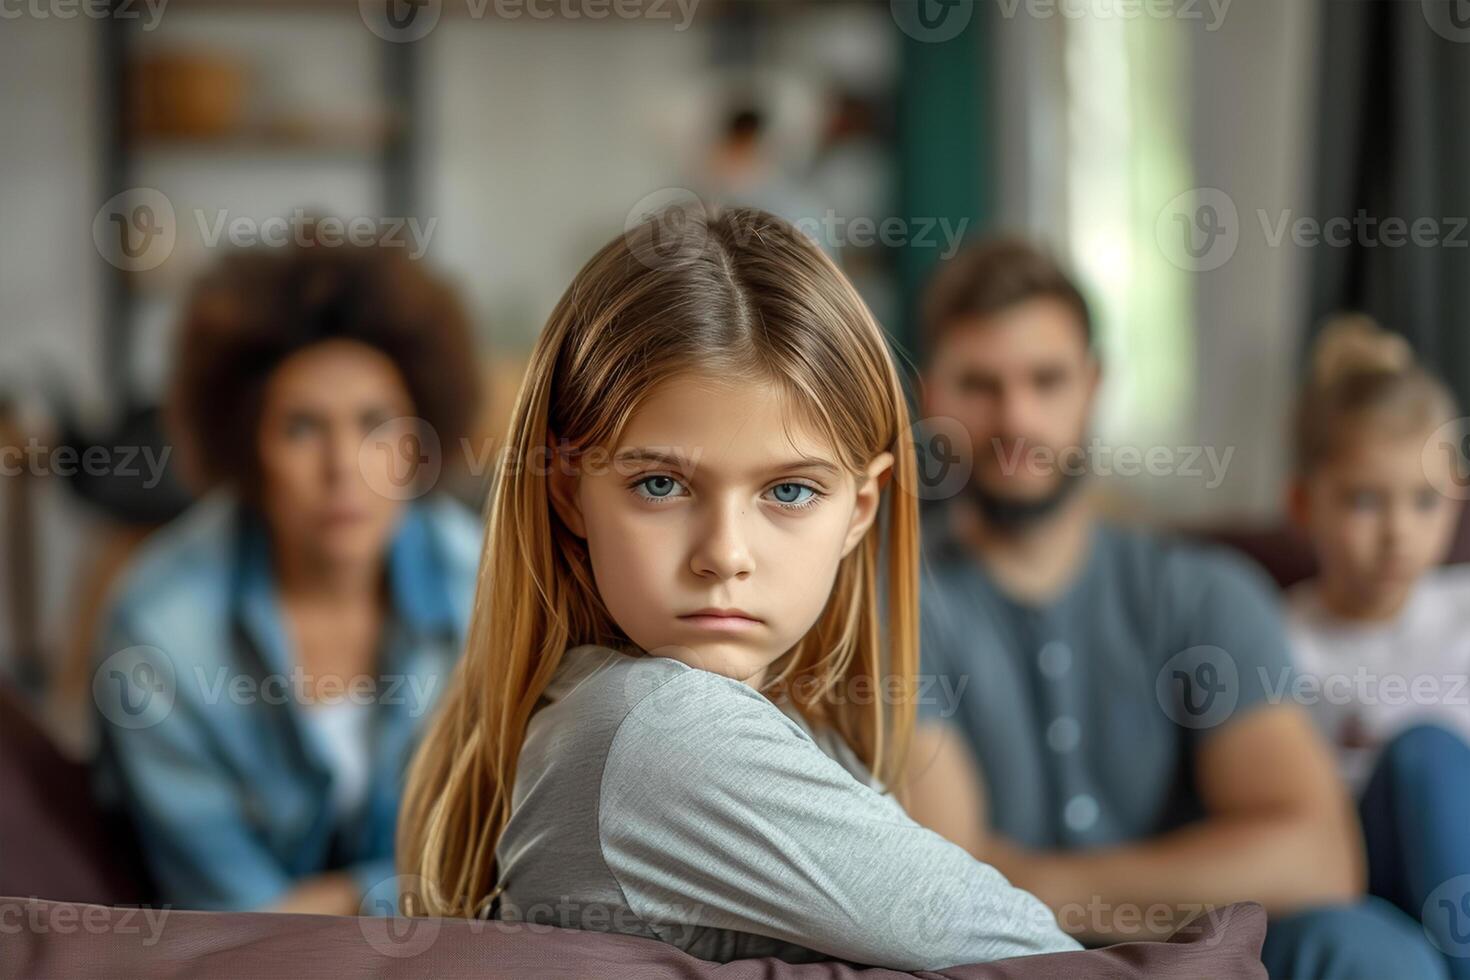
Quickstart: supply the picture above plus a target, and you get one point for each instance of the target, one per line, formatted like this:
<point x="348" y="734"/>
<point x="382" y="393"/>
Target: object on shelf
<point x="183" y="95"/>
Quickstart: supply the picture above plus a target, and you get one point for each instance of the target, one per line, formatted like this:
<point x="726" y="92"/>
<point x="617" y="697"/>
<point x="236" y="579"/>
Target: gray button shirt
<point x="659" y="800"/>
<point x="1085" y="713"/>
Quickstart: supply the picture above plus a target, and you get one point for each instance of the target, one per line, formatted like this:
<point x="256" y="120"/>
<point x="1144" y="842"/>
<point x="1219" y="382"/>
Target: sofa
<point x="45" y="940"/>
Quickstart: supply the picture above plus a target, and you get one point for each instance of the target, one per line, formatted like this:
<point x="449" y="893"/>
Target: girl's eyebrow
<point x="677" y="459"/>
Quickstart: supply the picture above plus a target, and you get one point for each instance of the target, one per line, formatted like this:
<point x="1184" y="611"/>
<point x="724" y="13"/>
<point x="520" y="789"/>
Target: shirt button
<point x="1080" y="813"/>
<point x="1055" y="659"/>
<point x="1063" y="734"/>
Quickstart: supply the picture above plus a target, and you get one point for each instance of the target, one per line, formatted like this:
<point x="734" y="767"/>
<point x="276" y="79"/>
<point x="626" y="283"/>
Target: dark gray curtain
<point x="1394" y="142"/>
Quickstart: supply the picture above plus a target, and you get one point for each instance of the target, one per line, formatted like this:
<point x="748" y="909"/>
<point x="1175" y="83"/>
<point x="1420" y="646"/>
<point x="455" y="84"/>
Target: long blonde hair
<point x="739" y="294"/>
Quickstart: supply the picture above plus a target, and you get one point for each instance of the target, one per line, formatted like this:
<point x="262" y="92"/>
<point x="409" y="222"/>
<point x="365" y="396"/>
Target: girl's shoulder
<point x="603" y="703"/>
<point x="596" y="679"/>
<point x="598" y="692"/>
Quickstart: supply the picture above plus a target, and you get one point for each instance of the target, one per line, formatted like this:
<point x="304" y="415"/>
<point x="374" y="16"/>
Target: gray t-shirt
<point x="658" y="800"/>
<point x="1086" y="713"/>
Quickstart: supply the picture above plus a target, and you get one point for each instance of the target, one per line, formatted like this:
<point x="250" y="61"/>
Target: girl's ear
<point x="562" y="480"/>
<point x="869" y="495"/>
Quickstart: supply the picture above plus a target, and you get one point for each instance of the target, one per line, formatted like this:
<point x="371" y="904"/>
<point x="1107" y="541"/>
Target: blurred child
<point x="1382" y="635"/>
<point x="671" y="719"/>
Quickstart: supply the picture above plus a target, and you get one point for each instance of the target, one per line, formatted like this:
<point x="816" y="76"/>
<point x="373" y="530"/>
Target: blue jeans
<point x="1367" y="940"/>
<point x="1416" y="821"/>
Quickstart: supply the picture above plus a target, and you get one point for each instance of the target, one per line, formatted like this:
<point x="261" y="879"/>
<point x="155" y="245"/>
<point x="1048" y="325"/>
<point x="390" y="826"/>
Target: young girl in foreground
<point x="1384" y="631"/>
<point x="678" y="709"/>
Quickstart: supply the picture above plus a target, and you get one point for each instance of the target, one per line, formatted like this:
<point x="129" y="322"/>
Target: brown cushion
<point x="77" y="942"/>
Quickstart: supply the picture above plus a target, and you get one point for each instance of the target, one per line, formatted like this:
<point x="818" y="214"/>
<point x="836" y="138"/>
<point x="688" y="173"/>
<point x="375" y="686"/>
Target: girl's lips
<point x="721" y="624"/>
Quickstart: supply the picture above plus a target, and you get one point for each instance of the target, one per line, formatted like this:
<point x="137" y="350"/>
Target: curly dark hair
<point x="258" y="306"/>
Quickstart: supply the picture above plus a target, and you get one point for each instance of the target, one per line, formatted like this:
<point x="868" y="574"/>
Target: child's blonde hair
<point x="738" y="294"/>
<point x="1362" y="375"/>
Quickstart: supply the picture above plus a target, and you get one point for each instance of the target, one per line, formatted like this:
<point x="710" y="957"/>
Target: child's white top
<point x="658" y="800"/>
<point x="1364" y="683"/>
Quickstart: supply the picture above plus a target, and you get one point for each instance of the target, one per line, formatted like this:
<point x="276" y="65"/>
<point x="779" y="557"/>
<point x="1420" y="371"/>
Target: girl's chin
<point x="728" y="658"/>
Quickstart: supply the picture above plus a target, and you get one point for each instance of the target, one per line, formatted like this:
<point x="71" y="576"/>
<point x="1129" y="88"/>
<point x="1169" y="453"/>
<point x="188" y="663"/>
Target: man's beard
<point x="1010" y="515"/>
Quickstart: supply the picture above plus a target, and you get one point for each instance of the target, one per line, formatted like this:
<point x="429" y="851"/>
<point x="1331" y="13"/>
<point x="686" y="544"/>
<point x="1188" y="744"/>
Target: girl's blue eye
<point x="658" y="487"/>
<point x="797" y="488"/>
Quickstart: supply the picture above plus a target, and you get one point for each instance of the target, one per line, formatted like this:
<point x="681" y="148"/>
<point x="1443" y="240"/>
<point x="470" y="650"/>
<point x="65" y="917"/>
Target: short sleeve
<point x="717" y="811"/>
<point x="1231" y="653"/>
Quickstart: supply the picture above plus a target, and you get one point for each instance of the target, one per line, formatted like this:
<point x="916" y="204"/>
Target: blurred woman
<point x="269" y="658"/>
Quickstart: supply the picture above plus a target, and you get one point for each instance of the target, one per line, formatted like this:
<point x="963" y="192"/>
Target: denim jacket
<point x="201" y="738"/>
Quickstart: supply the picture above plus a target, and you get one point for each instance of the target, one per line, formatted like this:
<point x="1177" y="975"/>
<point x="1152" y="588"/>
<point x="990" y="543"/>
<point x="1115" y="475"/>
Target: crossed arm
<point x="1279" y="830"/>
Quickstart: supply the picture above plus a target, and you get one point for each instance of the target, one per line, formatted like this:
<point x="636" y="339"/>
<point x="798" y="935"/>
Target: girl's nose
<point x="722" y="549"/>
